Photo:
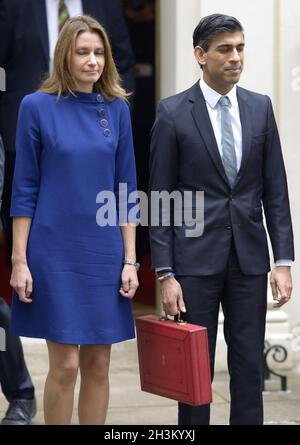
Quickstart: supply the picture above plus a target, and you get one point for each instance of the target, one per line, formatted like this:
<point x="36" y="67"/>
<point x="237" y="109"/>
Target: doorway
<point x="141" y="20"/>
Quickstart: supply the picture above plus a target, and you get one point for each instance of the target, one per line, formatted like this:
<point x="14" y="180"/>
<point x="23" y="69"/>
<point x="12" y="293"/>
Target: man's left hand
<point x="281" y="284"/>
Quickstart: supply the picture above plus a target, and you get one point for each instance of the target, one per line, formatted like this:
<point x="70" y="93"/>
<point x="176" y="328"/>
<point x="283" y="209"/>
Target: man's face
<point x="223" y="62"/>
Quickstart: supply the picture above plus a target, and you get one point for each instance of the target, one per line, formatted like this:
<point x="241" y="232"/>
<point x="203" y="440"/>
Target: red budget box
<point x="174" y="359"/>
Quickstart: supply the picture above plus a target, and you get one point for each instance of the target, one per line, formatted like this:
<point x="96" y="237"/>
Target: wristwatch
<point x="164" y="276"/>
<point x="132" y="263"/>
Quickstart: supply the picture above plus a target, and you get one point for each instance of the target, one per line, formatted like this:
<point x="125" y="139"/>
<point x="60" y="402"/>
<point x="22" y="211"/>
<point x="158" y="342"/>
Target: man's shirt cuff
<point x="284" y="263"/>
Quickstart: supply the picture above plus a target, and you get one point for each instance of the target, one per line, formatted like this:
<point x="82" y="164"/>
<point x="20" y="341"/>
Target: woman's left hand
<point x="130" y="281"/>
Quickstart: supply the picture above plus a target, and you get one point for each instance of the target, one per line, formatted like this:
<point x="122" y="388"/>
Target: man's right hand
<point x="171" y="296"/>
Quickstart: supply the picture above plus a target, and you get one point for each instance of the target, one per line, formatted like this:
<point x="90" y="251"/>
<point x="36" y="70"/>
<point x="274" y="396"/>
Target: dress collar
<point x="85" y="97"/>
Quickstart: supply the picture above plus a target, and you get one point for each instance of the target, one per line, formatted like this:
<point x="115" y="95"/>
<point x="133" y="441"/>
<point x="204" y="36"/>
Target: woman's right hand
<point x="21" y="281"/>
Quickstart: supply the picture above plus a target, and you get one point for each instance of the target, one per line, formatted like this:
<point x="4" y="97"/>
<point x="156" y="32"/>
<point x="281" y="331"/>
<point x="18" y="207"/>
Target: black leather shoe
<point x="20" y="412"/>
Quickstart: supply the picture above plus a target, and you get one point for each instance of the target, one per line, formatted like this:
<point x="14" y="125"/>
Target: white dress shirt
<point x="214" y="110"/>
<point x="74" y="8"/>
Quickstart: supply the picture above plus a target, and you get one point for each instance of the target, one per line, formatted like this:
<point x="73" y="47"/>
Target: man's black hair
<point x="213" y="25"/>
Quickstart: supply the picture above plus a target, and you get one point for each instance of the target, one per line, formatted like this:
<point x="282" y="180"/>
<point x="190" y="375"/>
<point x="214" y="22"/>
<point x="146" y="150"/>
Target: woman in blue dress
<point x="74" y="265"/>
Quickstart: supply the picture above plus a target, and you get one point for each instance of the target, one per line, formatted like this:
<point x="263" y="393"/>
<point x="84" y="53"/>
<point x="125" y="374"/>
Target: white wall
<point x="256" y="17"/>
<point x="290" y="126"/>
<point x="177" y="67"/>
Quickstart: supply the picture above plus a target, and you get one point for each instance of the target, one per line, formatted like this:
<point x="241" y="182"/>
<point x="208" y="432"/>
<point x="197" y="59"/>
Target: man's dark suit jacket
<point x="24" y="51"/>
<point x="185" y="157"/>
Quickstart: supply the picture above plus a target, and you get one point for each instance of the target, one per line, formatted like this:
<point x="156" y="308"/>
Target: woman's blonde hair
<point x="61" y="79"/>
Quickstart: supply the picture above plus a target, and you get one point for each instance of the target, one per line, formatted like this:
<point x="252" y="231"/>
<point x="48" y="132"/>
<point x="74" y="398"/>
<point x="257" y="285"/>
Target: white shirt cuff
<point x="284" y="263"/>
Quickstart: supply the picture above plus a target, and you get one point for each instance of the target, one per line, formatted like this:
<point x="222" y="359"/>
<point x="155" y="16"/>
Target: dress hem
<point x="116" y="339"/>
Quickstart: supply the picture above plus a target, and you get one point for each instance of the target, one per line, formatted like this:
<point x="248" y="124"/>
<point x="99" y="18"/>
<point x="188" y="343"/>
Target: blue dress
<point x="67" y="151"/>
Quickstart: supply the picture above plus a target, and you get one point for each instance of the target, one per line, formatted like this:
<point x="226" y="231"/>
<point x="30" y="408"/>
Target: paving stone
<point x="131" y="406"/>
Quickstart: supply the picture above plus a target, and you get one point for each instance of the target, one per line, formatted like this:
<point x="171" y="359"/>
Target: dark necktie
<point x="63" y="14"/>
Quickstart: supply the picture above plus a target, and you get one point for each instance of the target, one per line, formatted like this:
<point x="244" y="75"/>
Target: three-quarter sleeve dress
<point x="72" y="154"/>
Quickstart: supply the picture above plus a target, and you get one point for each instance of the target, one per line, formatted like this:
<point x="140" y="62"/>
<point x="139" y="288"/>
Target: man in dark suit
<point x="28" y="32"/>
<point x="15" y="379"/>
<point x="223" y="139"/>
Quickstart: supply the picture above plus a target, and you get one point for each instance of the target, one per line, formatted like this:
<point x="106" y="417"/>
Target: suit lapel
<point x="203" y="123"/>
<point x="39" y="11"/>
<point x="246" y="123"/>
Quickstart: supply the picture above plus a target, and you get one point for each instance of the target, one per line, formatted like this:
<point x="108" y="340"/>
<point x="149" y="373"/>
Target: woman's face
<point x="87" y="62"/>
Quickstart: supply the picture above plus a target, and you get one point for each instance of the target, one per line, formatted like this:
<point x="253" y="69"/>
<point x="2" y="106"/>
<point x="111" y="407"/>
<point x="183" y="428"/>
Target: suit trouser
<point x="14" y="377"/>
<point x="244" y="303"/>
